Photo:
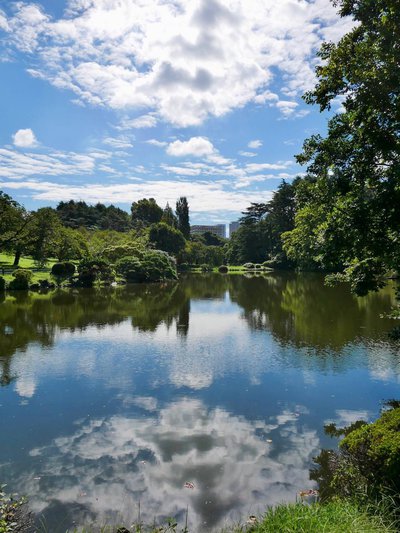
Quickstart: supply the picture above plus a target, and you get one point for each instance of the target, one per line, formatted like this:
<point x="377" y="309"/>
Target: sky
<point x="116" y="100"/>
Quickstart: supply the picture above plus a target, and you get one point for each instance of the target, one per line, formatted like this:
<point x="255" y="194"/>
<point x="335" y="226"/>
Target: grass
<point x="6" y="262"/>
<point x="333" y="517"/>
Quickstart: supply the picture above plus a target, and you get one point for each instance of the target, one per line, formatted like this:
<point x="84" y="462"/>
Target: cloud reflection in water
<point x="111" y="463"/>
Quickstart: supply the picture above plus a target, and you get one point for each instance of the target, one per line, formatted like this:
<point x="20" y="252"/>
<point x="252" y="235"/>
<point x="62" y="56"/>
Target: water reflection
<point x="118" y="460"/>
<point x="298" y="311"/>
<point x="123" y="394"/>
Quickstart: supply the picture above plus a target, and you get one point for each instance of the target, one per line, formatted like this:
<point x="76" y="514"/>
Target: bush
<point x="205" y="268"/>
<point x="114" y="253"/>
<point x="2" y="284"/>
<point x="155" y="265"/>
<point x="63" y="271"/>
<point x="223" y="269"/>
<point x="375" y="450"/>
<point x="248" y="266"/>
<point x="184" y="267"/>
<point x="367" y="465"/>
<point x="91" y="270"/>
<point x="21" y="280"/>
<point x="258" y="266"/>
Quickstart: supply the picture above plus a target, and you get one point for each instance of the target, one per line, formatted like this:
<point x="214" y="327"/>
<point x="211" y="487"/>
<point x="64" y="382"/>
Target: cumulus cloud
<point x="184" y="60"/>
<point x="25" y="138"/>
<point x="255" y="144"/>
<point x="196" y="146"/>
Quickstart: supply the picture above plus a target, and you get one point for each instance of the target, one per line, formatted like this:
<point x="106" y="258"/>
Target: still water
<point x="114" y="396"/>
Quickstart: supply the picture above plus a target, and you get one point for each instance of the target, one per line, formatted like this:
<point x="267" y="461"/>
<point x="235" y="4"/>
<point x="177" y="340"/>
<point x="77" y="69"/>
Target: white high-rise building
<point x="216" y="229"/>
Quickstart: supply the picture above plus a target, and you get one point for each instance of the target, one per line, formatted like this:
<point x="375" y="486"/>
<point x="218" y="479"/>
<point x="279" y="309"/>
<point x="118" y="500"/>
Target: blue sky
<point x="116" y="100"/>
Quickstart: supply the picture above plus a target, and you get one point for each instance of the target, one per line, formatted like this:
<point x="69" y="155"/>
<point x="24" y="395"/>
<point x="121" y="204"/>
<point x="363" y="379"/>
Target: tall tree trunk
<point x="17" y="257"/>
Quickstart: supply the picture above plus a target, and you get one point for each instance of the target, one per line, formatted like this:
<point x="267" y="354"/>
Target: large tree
<point x="14" y="225"/>
<point x="350" y="217"/>
<point x="167" y="238"/>
<point x="182" y="213"/>
<point x="146" y="212"/>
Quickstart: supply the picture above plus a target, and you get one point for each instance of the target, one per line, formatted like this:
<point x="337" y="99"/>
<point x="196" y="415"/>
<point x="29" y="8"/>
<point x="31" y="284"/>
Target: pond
<point x="116" y="396"/>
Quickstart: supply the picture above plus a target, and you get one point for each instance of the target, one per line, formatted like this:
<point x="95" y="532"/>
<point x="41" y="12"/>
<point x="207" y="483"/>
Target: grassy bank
<point x="333" y="517"/>
<point x="6" y="264"/>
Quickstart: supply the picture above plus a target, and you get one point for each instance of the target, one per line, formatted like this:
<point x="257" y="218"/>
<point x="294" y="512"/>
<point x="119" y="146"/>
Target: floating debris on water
<point x="189" y="485"/>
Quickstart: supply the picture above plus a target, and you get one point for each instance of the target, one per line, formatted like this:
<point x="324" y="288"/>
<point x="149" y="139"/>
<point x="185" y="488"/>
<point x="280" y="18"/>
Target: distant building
<point x="217" y="229"/>
<point x="233" y="226"/>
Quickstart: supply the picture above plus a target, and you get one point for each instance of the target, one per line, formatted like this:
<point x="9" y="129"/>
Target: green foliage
<point x="182" y="214"/>
<point x="21" y="280"/>
<point x="69" y="244"/>
<point x="205" y="268"/>
<point x="367" y="466"/>
<point x="334" y="517"/>
<point x="145" y="212"/>
<point x="248" y="266"/>
<point x="14" y="223"/>
<point x="348" y="209"/>
<point x="154" y="265"/>
<point x="168" y="217"/>
<point x="113" y="253"/>
<point x="95" y="269"/>
<point x="62" y="271"/>
<point x="2" y="284"/>
<point x="14" y="516"/>
<point x="80" y="215"/>
<point x="223" y="269"/>
<point x="44" y="233"/>
<point x="166" y="238"/>
<point x="375" y="451"/>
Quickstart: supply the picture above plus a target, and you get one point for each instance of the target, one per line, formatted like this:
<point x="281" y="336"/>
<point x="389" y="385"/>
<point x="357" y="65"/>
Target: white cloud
<point x="156" y="142"/>
<point x="196" y="146"/>
<point x="203" y="196"/>
<point x="184" y="60"/>
<point x="118" y="142"/>
<point x="255" y="144"/>
<point x="17" y="165"/>
<point x="247" y="154"/>
<point x="24" y="138"/>
<point x="144" y="121"/>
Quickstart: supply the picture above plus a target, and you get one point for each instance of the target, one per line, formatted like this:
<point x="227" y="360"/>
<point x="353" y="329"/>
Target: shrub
<point x="155" y="265"/>
<point x="2" y="284"/>
<point x="375" y="450"/>
<point x="248" y="266"/>
<point x="367" y="465"/>
<point x="21" y="280"/>
<point x="91" y="270"/>
<point x="114" y="253"/>
<point x="166" y="238"/>
<point x="184" y="267"/>
<point x="258" y="266"/>
<point x="223" y="269"/>
<point x="62" y="271"/>
<point x="205" y="268"/>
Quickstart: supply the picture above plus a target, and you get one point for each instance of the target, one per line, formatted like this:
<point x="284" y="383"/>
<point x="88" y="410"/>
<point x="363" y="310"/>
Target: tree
<point x="14" y="225"/>
<point x="44" y="234"/>
<point x="146" y="212"/>
<point x="168" y="217"/>
<point x="356" y="167"/>
<point x="182" y="213"/>
<point x="166" y="238"/>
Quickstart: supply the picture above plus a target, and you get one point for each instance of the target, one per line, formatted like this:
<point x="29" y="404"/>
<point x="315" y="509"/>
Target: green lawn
<point x="6" y="262"/>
